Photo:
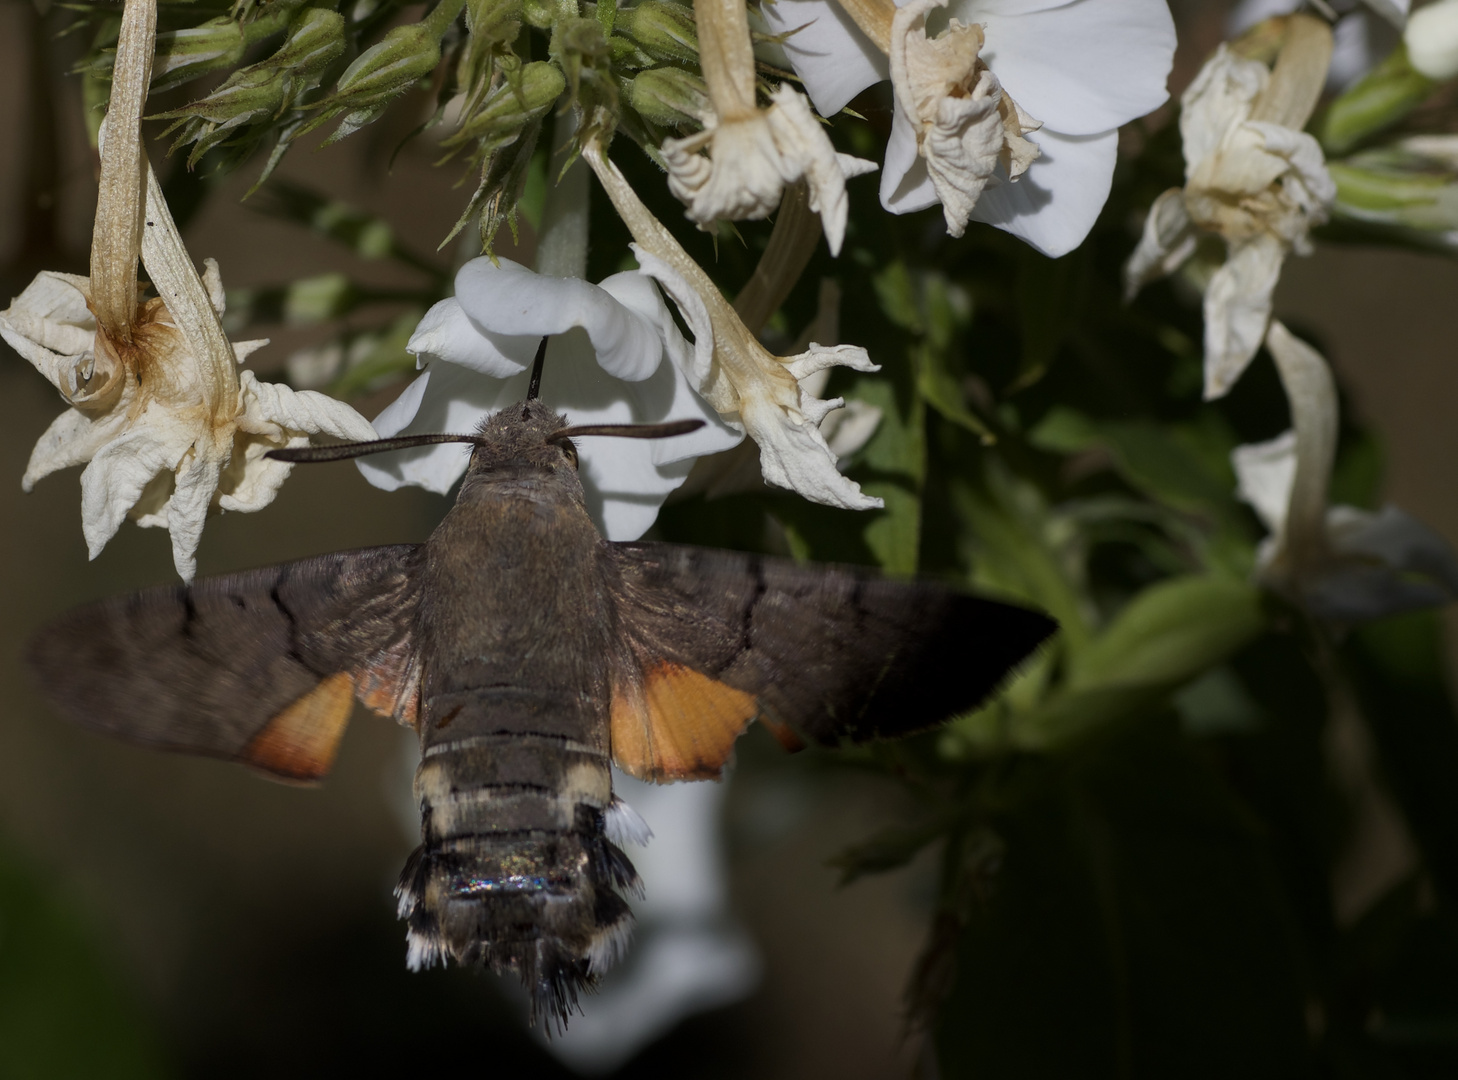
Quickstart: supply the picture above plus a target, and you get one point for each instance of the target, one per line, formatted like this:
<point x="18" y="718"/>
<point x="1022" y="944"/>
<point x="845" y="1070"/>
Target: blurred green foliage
<point x="63" y="1010"/>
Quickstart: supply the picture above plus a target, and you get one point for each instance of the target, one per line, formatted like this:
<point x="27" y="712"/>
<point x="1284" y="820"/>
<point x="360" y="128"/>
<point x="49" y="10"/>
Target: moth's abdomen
<point x="515" y="870"/>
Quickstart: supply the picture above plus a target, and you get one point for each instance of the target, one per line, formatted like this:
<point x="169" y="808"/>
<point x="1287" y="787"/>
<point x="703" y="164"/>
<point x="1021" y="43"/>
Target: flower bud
<point x="386" y="70"/>
<point x="1412" y="185"/>
<point x="1431" y="38"/>
<point x="519" y="100"/>
<point x="183" y="55"/>
<point x="405" y="56"/>
<point x="665" y="31"/>
<point x="315" y="39"/>
<point x="1379" y="99"/>
<point x="670" y="97"/>
<point x="265" y="89"/>
<point x="493" y="22"/>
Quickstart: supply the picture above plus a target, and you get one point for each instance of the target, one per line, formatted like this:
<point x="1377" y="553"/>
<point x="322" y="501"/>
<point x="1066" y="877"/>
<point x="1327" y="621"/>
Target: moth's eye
<point x="570" y="451"/>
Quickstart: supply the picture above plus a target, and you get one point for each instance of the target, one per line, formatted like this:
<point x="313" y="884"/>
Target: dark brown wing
<point x="715" y="638"/>
<point x="261" y="667"/>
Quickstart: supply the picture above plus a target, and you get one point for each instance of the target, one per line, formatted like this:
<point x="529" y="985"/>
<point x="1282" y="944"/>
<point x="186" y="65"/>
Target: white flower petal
<point x="1082" y="67"/>
<point x="448" y="333"/>
<point x="849" y="429"/>
<point x="795" y="455"/>
<point x="794" y="125"/>
<point x="833" y="58"/>
<point x="511" y="300"/>
<point x="699" y="366"/>
<point x="1238" y="310"/>
<point x="443" y="398"/>
<point x="73" y="438"/>
<point x="298" y="411"/>
<point x="1218" y="100"/>
<point x="187" y="509"/>
<point x="1056" y="202"/>
<point x="906" y="186"/>
<point x="112" y="482"/>
<point x="1167" y="241"/>
<point x="50" y="325"/>
<point x="1264" y="475"/>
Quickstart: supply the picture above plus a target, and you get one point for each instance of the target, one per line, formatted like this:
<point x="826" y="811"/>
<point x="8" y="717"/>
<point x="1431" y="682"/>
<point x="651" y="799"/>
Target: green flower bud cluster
<point x="242" y="109"/>
<point x="505" y="130"/>
<point x="497" y="66"/>
<point x="406" y="55"/>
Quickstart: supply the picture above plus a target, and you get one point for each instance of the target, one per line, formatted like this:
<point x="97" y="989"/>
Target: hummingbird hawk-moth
<point x="529" y="654"/>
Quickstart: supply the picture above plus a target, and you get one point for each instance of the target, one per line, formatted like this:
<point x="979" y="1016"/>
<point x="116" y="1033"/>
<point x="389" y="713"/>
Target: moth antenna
<point x="311" y="454"/>
<point x="629" y="431"/>
<point x="535" y="386"/>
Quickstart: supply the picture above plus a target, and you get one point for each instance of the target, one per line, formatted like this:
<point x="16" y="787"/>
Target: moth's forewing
<point x="260" y="667"/>
<point x="835" y="653"/>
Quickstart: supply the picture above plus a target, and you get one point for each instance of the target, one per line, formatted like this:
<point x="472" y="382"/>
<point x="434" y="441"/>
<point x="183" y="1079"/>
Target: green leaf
<point x="1163" y="638"/>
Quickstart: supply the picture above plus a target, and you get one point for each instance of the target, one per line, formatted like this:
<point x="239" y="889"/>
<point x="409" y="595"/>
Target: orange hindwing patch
<point x="301" y="742"/>
<point x="677" y="724"/>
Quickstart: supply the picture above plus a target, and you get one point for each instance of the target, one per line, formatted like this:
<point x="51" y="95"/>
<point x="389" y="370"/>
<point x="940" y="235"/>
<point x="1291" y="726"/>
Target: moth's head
<point x="523" y="444"/>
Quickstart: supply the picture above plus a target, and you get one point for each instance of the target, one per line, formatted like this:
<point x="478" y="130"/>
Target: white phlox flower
<point x="159" y="414"/>
<point x="1006" y="110"/>
<point x="1340" y="563"/>
<point x="1254" y="178"/>
<point x="737" y="167"/>
<point x="752" y="390"/>
<point x="615" y="356"/>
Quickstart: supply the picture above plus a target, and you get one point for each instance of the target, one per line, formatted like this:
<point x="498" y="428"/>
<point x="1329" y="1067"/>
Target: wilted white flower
<point x="752" y="390"/>
<point x="737" y="167"/>
<point x="1254" y="178"/>
<point x="615" y="357"/>
<point x="1341" y="563"/>
<point x="160" y="416"/>
<point x="1007" y="113"/>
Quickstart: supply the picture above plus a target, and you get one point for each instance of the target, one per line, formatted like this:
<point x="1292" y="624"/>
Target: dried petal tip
<point x="737" y="169"/>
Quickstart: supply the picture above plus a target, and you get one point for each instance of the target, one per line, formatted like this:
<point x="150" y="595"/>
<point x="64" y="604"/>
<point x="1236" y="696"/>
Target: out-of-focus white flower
<point x="1365" y="31"/>
<point x="737" y="167"/>
<point x="615" y="356"/>
<point x="1431" y="37"/>
<point x="160" y="416"/>
<point x="688" y="955"/>
<point x="752" y="390"/>
<point x="1253" y="177"/>
<point x="1340" y="563"/>
<point x="1007" y="113"/>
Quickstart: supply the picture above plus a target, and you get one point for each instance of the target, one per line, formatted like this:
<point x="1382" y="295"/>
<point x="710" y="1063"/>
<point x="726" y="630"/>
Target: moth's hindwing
<point x="261" y="667"/>
<point x="713" y="638"/>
